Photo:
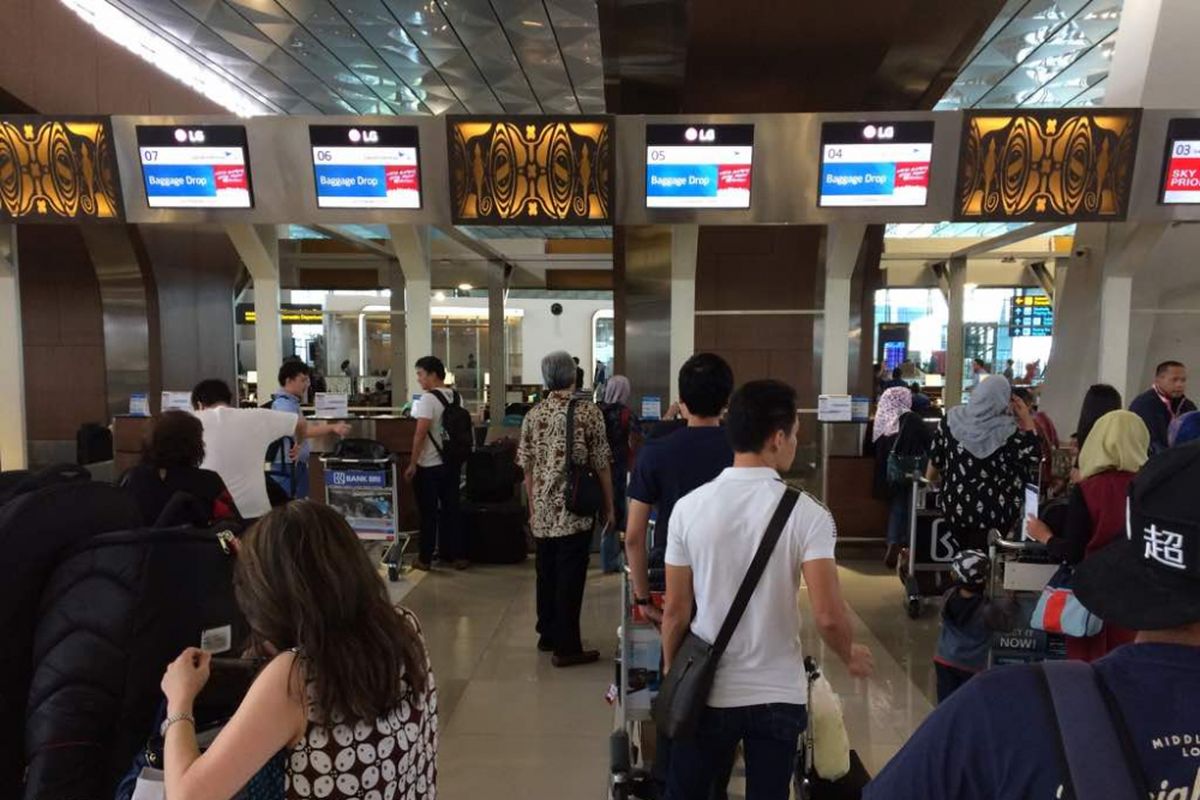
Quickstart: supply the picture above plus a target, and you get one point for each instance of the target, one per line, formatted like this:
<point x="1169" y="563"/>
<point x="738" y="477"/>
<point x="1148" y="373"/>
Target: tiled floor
<point x="513" y="726"/>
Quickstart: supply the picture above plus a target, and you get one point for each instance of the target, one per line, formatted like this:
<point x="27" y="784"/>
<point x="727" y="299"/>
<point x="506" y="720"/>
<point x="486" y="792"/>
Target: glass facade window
<point x="919" y="318"/>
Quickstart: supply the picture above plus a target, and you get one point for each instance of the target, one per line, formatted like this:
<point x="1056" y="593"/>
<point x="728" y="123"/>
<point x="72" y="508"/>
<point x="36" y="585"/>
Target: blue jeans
<point x="897" y="529"/>
<point x="610" y="544"/>
<point x="770" y="735"/>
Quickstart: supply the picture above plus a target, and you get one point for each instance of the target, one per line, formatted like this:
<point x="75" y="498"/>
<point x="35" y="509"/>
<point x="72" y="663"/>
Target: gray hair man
<point x="563" y="537"/>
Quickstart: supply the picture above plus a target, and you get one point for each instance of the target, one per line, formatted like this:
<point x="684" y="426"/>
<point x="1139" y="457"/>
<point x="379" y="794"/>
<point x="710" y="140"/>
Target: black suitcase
<point x="495" y="533"/>
<point x="93" y="443"/>
<point x="493" y="474"/>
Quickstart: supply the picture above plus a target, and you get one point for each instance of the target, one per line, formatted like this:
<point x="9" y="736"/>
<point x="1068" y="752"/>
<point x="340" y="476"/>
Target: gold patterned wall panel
<point x="1047" y="165"/>
<point x="531" y="170"/>
<point x="58" y="169"/>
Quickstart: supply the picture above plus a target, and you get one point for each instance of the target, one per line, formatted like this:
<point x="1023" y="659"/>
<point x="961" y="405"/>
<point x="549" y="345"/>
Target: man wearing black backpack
<point x="441" y="444"/>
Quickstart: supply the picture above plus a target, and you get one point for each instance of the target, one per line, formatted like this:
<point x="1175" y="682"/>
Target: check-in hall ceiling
<point x="723" y="56"/>
<point x="1040" y="54"/>
<point x="394" y="56"/>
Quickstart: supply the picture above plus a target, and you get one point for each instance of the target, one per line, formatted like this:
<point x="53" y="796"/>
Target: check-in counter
<point x="129" y="436"/>
<point x="850" y="482"/>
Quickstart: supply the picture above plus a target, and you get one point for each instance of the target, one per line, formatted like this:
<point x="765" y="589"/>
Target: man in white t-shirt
<point x="760" y="692"/>
<point x="435" y="482"/>
<point x="236" y="441"/>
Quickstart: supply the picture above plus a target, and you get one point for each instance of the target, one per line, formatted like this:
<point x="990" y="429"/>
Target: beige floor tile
<point x="513" y="726"/>
<point x="522" y="767"/>
<point x="550" y="708"/>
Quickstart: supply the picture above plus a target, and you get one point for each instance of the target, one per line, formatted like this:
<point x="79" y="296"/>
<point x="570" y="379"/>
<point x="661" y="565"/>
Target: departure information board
<point x="867" y="164"/>
<point x="198" y="166"/>
<point x="360" y="167"/>
<point x="699" y="166"/>
<point x="1181" y="177"/>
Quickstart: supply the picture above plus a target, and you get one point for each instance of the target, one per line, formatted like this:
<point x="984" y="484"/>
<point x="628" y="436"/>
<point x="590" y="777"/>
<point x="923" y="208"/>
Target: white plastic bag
<point x="831" y="744"/>
<point x="149" y="785"/>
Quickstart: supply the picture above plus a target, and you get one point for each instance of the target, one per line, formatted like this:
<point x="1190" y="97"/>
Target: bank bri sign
<point x="355" y="478"/>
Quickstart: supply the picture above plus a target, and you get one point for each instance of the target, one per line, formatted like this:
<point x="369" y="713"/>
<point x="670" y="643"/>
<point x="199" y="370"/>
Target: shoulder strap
<point x="442" y="398"/>
<point x="783" y="512"/>
<point x="570" y="448"/>
<point x="1099" y="758"/>
<point x="429" y="432"/>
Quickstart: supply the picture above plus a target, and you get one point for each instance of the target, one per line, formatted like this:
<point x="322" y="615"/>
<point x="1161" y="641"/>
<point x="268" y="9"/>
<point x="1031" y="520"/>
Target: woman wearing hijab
<point x="893" y="404"/>
<point x="1114" y="451"/>
<point x="619" y="424"/>
<point x="1184" y="428"/>
<point x="985" y="452"/>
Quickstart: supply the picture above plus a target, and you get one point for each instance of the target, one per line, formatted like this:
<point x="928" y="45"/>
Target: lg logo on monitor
<point x="364" y="136"/>
<point x="189" y="137"/>
<point x="881" y="132"/>
<point x="700" y="134"/>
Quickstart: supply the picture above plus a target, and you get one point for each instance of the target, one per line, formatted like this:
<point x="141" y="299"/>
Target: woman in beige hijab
<point x="1113" y="453"/>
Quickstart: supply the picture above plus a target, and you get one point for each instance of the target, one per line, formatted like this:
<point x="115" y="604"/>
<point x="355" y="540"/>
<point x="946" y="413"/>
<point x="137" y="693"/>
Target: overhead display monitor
<point x="698" y="166"/>
<point x="195" y="166"/>
<point x="875" y="164"/>
<point x="1181" y="177"/>
<point x="366" y="167"/>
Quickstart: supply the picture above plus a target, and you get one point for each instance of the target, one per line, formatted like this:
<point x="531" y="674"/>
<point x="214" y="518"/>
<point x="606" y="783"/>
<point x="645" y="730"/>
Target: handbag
<point x="683" y="695"/>
<point x="900" y="469"/>
<point x="228" y="682"/>
<point x="584" y="495"/>
<point x="1058" y="610"/>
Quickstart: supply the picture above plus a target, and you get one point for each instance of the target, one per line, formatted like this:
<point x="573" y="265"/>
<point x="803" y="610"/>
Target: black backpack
<point x="458" y="430"/>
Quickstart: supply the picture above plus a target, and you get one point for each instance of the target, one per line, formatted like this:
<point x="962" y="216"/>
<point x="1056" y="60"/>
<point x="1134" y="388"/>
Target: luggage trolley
<point x="1020" y="570"/>
<point x="638" y="675"/>
<point x="925" y="569"/>
<point x="361" y="483"/>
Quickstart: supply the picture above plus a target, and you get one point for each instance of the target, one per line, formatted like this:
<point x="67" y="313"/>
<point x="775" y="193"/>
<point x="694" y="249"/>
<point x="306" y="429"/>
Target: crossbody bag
<point x="584" y="494"/>
<point x="685" y="689"/>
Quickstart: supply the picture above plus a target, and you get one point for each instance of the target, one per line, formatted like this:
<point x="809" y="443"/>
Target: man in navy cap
<point x="1125" y="727"/>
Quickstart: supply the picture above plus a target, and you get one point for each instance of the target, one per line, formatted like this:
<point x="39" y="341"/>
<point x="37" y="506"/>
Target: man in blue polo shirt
<point x="999" y="736"/>
<point x="667" y="469"/>
<point x="670" y="467"/>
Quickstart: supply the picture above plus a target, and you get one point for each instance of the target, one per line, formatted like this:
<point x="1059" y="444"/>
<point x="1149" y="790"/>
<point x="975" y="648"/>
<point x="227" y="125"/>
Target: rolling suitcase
<point x="492" y="473"/>
<point x="495" y="533"/>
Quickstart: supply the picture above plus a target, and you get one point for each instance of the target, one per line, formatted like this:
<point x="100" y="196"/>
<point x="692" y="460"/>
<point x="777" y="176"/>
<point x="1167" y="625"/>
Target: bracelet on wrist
<point x="172" y="719"/>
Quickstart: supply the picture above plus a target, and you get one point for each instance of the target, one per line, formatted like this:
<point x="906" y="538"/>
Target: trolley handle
<point x="1014" y="546"/>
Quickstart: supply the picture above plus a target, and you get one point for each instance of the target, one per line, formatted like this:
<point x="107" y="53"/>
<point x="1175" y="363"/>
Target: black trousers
<point x="562" y="564"/>
<point x="437" y="490"/>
